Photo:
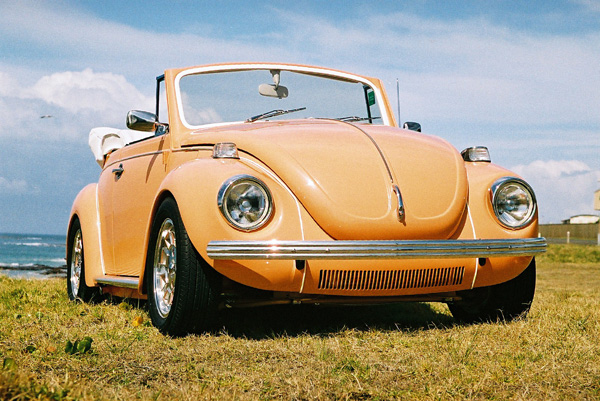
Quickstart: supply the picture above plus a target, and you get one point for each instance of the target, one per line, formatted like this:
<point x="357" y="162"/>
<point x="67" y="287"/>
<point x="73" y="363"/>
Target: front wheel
<point x="182" y="288"/>
<point x="506" y="301"/>
<point x="76" y="286"/>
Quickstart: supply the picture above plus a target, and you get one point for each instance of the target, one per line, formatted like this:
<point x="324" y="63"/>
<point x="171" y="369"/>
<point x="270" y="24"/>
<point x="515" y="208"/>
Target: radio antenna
<point x="398" y="98"/>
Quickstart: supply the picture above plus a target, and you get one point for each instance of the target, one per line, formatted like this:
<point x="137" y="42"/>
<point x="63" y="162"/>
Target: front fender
<point x="486" y="226"/>
<point x="195" y="186"/>
<point x="85" y="208"/>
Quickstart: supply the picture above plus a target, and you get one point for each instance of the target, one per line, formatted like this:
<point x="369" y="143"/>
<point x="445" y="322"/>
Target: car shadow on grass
<point x="294" y="320"/>
<point x="267" y="322"/>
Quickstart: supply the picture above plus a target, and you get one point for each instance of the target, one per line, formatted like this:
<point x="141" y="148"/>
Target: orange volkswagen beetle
<point x="263" y="183"/>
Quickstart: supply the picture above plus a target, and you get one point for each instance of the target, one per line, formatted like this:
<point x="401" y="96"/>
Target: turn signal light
<point x="225" y="150"/>
<point x="476" y="154"/>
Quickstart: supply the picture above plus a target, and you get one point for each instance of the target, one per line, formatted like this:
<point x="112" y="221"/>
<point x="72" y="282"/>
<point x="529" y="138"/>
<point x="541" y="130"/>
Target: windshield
<point x="232" y="96"/>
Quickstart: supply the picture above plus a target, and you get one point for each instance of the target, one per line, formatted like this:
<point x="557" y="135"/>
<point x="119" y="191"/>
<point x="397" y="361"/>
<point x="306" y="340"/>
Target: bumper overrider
<point x="478" y="248"/>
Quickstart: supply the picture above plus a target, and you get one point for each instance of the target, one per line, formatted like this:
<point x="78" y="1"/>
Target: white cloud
<point x="121" y="48"/>
<point x="76" y="100"/>
<point x="563" y="188"/>
<point x="14" y="113"/>
<point x="450" y="70"/>
<point x="462" y="69"/>
<point x="589" y="5"/>
<point x="9" y="85"/>
<point x="86" y="90"/>
<point x="554" y="169"/>
<point x="204" y="116"/>
<point x="13" y="187"/>
<point x="531" y="93"/>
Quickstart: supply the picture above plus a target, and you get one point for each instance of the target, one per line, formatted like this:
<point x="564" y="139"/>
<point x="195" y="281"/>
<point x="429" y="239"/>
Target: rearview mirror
<point x="412" y="126"/>
<point x="280" y="92"/>
<point x="141" y="120"/>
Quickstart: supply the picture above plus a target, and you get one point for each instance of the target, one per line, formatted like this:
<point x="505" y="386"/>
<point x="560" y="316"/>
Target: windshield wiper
<point x="356" y="118"/>
<point x="273" y="113"/>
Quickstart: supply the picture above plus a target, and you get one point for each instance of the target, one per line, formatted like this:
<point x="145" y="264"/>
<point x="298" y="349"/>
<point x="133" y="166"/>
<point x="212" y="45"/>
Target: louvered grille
<point x="389" y="279"/>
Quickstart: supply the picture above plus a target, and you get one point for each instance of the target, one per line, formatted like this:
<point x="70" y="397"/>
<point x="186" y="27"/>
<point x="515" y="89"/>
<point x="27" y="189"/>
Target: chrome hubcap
<point x="76" y="263"/>
<point x="165" y="268"/>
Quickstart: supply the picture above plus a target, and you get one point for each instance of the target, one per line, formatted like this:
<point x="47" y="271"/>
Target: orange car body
<point x="335" y="186"/>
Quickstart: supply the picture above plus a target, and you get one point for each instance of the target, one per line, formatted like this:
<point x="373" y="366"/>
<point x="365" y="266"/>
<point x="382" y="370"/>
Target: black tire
<point x="502" y="302"/>
<point x="76" y="286"/>
<point x="182" y="290"/>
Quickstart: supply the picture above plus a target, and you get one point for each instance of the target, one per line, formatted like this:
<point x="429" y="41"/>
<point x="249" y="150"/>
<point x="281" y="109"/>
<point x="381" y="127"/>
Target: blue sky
<point x="522" y="78"/>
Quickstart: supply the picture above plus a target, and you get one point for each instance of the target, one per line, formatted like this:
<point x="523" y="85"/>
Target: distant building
<point x="582" y="219"/>
<point x="597" y="200"/>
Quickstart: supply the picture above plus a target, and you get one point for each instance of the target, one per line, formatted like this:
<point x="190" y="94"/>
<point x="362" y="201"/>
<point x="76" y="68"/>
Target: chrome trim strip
<point x="474" y="236"/>
<point x="124" y="159"/>
<point x="237" y="250"/>
<point x="99" y="227"/>
<point x="125" y="282"/>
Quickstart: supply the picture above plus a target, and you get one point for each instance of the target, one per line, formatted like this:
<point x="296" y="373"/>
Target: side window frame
<point x="161" y="128"/>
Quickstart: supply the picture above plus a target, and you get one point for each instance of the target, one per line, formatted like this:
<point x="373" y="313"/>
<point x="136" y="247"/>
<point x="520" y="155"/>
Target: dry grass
<point x="406" y="351"/>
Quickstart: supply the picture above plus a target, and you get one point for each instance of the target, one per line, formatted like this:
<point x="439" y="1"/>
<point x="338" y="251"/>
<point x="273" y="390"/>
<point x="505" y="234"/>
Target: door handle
<point x="401" y="212"/>
<point x="119" y="170"/>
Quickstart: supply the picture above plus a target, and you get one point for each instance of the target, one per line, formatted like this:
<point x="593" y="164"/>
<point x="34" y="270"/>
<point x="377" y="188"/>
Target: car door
<point x="105" y="216"/>
<point x="140" y="171"/>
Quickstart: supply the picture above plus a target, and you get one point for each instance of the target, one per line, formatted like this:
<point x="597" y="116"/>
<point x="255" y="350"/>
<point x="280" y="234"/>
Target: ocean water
<point x="26" y="254"/>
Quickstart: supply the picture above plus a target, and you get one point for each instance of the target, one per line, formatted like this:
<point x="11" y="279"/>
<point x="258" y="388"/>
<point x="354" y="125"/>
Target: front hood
<point x="344" y="175"/>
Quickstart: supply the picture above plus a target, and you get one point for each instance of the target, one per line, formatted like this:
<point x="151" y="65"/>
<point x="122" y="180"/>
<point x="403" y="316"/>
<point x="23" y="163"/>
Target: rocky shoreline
<point x="35" y="271"/>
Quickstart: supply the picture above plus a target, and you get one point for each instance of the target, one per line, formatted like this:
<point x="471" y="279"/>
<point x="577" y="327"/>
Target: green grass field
<point x="403" y="351"/>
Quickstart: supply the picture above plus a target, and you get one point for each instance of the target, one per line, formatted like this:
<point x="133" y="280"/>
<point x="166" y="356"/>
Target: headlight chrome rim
<point x="496" y="192"/>
<point x="223" y="196"/>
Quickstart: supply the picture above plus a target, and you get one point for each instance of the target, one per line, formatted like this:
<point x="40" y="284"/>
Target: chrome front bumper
<point x="236" y="250"/>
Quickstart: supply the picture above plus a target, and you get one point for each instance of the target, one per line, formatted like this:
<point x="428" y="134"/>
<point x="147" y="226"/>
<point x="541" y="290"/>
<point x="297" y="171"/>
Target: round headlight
<point x="513" y="201"/>
<point x="245" y="202"/>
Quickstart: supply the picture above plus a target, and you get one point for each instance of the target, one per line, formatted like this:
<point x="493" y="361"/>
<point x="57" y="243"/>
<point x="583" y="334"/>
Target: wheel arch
<point x="85" y="210"/>
<point x="191" y="186"/>
<point x="162" y="195"/>
<point x="186" y="185"/>
<point x="195" y="185"/>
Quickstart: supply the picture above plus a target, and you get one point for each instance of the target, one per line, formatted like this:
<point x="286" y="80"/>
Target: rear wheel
<point x="76" y="286"/>
<point x="182" y="288"/>
<point x="506" y="301"/>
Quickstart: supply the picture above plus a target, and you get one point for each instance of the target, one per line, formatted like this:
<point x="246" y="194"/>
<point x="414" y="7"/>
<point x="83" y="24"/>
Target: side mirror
<point x="412" y="126"/>
<point x="141" y="120"/>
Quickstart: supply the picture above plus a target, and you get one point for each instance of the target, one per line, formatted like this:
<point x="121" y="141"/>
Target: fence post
<point x="568" y="237"/>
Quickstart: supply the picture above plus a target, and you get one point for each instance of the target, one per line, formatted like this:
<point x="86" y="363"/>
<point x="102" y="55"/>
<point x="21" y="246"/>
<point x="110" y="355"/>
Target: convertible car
<point x="260" y="183"/>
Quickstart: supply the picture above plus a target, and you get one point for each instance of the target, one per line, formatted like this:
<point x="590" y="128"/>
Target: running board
<point x="119" y="281"/>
